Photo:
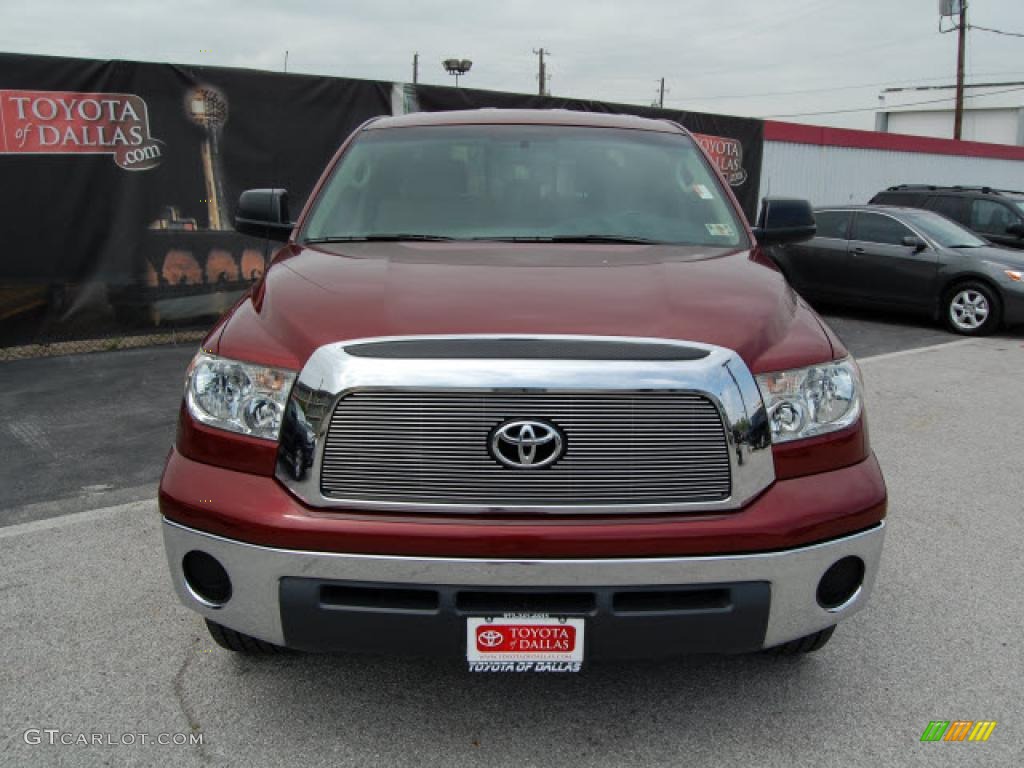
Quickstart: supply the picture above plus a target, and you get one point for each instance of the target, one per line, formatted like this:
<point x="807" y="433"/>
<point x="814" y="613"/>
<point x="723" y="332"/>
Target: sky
<point x="762" y="58"/>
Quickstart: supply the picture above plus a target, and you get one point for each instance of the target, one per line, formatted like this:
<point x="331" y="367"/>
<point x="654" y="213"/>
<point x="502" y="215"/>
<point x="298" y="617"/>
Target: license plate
<point x="524" y="644"/>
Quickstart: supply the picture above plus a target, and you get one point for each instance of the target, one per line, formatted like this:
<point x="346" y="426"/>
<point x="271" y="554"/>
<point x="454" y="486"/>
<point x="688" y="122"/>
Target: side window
<point x="832" y="224"/>
<point x="991" y="217"/>
<point x="948" y="206"/>
<point x="910" y="199"/>
<point x="876" y="228"/>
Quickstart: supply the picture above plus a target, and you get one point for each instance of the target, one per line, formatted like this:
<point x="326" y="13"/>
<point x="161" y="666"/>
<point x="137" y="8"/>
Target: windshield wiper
<point x="575" y="239"/>
<point x="382" y="238"/>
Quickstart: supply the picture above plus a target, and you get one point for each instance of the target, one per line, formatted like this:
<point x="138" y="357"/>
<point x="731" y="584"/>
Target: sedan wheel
<point x="972" y="309"/>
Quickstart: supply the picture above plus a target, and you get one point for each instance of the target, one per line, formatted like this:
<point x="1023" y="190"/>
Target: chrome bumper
<point x="256" y="571"/>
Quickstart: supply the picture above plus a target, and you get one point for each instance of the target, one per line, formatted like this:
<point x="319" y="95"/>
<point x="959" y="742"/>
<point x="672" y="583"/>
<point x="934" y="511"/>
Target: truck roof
<point x="492" y="116"/>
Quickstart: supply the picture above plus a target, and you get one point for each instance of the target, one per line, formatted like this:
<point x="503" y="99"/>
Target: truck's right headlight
<point x="236" y="396"/>
<point x="811" y="401"/>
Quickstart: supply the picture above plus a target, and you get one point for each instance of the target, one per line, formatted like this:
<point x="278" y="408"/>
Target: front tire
<point x="802" y="645"/>
<point x="972" y="309"/>
<point x="231" y="640"/>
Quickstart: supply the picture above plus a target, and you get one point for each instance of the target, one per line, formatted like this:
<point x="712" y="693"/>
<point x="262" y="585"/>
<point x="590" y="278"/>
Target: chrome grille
<point x="431" y="447"/>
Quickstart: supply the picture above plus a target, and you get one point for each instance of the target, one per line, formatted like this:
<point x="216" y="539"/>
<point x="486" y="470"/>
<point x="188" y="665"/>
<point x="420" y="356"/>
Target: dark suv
<point x="995" y="214"/>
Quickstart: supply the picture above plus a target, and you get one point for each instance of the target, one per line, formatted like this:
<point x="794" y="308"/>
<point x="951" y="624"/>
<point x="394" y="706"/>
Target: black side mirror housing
<point x="915" y="242"/>
<point x="1016" y="229"/>
<point x="264" y="213"/>
<point x="784" y="220"/>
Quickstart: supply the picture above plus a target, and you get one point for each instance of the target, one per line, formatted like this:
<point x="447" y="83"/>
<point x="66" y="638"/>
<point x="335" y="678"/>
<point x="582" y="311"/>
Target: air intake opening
<point x="673" y="601"/>
<point x="558" y="603"/>
<point x="378" y="598"/>
<point x="206" y="578"/>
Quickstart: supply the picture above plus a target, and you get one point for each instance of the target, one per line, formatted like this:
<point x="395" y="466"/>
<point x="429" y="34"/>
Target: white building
<point x="993" y="112"/>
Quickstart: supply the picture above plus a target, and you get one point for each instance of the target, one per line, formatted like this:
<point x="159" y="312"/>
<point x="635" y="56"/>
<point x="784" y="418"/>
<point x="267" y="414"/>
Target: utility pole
<point x="958" y="121"/>
<point x="542" y="74"/>
<point x="661" y="94"/>
<point x="415" y="68"/>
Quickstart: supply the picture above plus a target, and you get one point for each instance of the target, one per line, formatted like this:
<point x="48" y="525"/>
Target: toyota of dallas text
<point x="521" y="390"/>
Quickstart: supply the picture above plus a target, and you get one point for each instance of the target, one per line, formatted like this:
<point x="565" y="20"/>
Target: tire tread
<point x="231" y="640"/>
<point x="807" y="644"/>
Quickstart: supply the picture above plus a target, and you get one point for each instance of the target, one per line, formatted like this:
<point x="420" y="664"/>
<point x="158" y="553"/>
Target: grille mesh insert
<point x="431" y="447"/>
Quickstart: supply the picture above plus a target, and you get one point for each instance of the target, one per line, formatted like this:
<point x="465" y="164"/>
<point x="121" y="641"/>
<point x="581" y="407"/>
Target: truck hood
<point x="735" y="299"/>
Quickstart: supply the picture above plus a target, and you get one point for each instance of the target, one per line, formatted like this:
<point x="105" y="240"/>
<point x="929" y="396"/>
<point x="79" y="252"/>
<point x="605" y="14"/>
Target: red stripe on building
<point x="796" y="133"/>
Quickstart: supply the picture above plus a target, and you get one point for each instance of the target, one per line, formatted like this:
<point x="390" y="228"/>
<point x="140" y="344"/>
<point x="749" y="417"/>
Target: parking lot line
<point x="916" y="350"/>
<point x="147" y="506"/>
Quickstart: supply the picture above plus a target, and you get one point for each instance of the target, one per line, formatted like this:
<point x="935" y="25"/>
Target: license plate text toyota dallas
<point x="522" y="388"/>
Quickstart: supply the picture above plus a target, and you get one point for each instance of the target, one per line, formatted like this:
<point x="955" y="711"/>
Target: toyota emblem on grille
<point x="527" y="444"/>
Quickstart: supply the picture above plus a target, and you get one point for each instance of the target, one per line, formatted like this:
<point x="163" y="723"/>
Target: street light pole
<point x="457" y="67"/>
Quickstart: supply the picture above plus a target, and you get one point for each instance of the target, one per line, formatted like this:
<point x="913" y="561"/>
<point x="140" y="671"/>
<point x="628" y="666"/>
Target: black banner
<point x="736" y="144"/>
<point x="119" y="182"/>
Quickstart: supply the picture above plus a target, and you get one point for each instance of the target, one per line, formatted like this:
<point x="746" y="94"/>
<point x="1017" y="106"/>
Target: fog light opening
<point x="841" y="583"/>
<point x="206" y="579"/>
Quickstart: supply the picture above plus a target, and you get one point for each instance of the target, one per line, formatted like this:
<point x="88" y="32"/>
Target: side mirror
<point x="264" y="213"/>
<point x="915" y="242"/>
<point x="1016" y="229"/>
<point x="784" y="220"/>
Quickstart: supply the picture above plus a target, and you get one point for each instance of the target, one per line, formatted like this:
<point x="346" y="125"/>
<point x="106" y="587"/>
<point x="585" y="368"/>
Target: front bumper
<point x="731" y="602"/>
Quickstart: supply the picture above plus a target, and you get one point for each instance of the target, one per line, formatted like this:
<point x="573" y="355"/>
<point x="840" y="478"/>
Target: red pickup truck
<point x="522" y="389"/>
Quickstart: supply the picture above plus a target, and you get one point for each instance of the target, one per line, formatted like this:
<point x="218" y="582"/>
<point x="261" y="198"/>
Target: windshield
<point x="944" y="232"/>
<point x="1019" y="204"/>
<point x="508" y="182"/>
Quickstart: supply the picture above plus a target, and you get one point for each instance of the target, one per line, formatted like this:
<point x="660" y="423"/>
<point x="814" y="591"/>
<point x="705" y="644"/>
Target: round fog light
<point x="840" y="583"/>
<point x="206" y="578"/>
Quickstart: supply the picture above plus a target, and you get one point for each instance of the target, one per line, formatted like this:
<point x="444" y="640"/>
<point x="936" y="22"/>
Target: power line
<point x="1002" y="84"/>
<point x="828" y="89"/>
<point x="995" y="31"/>
<point x="896" y="107"/>
<point x="902" y="42"/>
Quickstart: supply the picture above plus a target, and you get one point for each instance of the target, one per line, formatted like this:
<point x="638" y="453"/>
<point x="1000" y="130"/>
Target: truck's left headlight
<point x="236" y="396"/>
<point x="811" y="401"/>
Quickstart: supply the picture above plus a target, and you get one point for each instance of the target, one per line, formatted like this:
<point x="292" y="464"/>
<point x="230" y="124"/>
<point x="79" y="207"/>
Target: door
<point x="816" y="267"/>
<point x="885" y="271"/>
<point x="990" y="218"/>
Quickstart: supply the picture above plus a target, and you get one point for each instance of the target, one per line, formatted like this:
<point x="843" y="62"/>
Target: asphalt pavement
<point x="96" y="647"/>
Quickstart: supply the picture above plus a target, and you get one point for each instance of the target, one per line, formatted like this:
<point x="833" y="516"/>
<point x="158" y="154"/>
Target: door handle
<point x="859" y="250"/>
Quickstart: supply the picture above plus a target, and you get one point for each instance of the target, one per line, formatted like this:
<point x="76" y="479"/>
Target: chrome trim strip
<point x="255" y="572"/>
<point x="721" y="376"/>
